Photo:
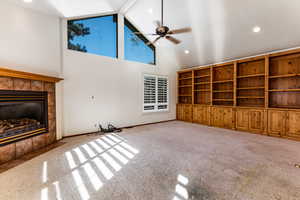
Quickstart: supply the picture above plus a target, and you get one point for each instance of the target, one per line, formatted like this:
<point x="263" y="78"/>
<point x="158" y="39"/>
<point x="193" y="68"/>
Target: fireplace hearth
<point x="23" y="114"/>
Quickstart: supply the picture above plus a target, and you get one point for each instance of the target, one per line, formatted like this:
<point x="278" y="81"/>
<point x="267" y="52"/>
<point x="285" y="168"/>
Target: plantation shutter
<point x="149" y="92"/>
<point x="162" y="93"/>
<point x="155" y="93"/>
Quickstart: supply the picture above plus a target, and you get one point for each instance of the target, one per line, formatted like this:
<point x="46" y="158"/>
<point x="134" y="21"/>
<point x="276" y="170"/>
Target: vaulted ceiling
<point x="222" y="29"/>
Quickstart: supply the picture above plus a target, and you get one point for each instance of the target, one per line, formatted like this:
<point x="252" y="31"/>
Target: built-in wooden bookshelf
<point x="251" y="83"/>
<point x="185" y="87"/>
<point x="284" y="83"/>
<point x="271" y="81"/>
<point x="223" y="82"/>
<point x="202" y="86"/>
<point x="258" y="94"/>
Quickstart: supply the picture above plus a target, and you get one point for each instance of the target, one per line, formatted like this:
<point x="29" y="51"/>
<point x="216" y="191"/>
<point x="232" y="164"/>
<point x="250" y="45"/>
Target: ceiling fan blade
<point x="178" y="31"/>
<point x="157" y="23"/>
<point x="172" y="39"/>
<point x="154" y="41"/>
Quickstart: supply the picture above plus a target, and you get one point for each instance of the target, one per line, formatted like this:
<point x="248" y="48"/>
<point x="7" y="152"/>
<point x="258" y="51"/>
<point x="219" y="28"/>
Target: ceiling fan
<point x="163" y="31"/>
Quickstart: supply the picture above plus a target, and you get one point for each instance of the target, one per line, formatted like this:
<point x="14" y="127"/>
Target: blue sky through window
<point x="102" y="39"/>
<point x="135" y="48"/>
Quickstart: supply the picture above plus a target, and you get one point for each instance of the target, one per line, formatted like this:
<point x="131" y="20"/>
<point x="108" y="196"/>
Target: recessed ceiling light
<point x="150" y="10"/>
<point x="27" y="1"/>
<point x="256" y="29"/>
<point x="186" y="51"/>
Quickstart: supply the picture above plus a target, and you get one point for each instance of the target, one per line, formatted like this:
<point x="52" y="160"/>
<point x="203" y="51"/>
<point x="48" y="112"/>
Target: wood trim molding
<point x="26" y="75"/>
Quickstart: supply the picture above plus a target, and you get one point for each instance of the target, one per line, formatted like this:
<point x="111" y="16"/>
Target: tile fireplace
<point x="27" y="113"/>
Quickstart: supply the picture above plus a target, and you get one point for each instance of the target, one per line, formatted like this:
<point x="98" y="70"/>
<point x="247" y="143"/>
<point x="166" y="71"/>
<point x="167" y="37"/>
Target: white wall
<point x="29" y="40"/>
<point x="117" y="86"/>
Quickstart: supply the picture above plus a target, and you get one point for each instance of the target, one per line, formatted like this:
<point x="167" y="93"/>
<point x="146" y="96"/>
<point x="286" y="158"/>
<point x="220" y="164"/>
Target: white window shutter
<point x="155" y="93"/>
<point x="162" y="93"/>
<point x="149" y="92"/>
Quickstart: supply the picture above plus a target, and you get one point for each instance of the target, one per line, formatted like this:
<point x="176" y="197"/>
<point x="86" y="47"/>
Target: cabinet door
<point x="228" y="118"/>
<point x="201" y="114"/>
<point x="257" y="120"/>
<point x="292" y="125"/>
<point x="242" y="119"/>
<point x="216" y="117"/>
<point x="179" y="112"/>
<point x="187" y="113"/>
<point x="276" y="122"/>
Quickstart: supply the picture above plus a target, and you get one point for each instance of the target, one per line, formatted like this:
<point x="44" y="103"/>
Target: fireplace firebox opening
<point x="23" y="114"/>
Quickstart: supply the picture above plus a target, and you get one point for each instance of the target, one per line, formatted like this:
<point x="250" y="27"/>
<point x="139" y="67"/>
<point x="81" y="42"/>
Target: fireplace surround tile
<point x="21" y="84"/>
<point x="23" y="147"/>
<point x="51" y="99"/>
<point x="51" y="112"/>
<point x="49" y="87"/>
<point x="7" y="153"/>
<point x="6" y="83"/>
<point x="39" y="142"/>
<point x="37" y="85"/>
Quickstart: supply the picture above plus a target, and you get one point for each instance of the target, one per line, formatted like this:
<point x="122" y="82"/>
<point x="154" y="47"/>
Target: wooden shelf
<point x="203" y="83"/>
<point x="251" y="88"/>
<point x="202" y="76"/>
<point x="223" y="91"/>
<point x="181" y="86"/>
<point x="222" y="99"/>
<point x="250" y="76"/>
<point x="188" y="78"/>
<point x="204" y="90"/>
<point x="284" y="90"/>
<point x="184" y="95"/>
<point x="225" y="81"/>
<point x="250" y="97"/>
<point x="285" y="107"/>
<point x="284" y="76"/>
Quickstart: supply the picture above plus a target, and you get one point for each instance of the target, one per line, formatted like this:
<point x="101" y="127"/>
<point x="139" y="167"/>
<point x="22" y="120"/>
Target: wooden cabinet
<point x="222" y="117"/>
<point x="252" y="120"/>
<point x="257" y="120"/>
<point x="201" y="114"/>
<point x="242" y="119"/>
<point x="276" y="122"/>
<point x="184" y="112"/>
<point x="292" y="125"/>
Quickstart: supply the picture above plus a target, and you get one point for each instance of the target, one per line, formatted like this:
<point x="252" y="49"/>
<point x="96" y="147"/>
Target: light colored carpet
<point x="166" y="161"/>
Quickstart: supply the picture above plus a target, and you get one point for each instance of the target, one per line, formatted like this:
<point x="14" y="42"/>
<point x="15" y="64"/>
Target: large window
<point x="97" y="35"/>
<point x="137" y="47"/>
<point x="156" y="97"/>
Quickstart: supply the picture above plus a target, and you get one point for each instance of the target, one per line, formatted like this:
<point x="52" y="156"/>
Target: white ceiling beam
<point x="127" y="6"/>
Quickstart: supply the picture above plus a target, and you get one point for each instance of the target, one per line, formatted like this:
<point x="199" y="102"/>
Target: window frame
<point x="156" y="104"/>
<point x="116" y="15"/>
<point x="140" y="36"/>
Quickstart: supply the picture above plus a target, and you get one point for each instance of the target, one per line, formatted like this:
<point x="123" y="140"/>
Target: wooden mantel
<point x="26" y="75"/>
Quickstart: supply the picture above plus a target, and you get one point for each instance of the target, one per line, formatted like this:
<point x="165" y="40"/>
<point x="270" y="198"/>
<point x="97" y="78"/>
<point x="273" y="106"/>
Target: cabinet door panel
<point x="187" y="113"/>
<point x="257" y="121"/>
<point x="201" y="114"/>
<point x="228" y="118"/>
<point x="216" y="117"/>
<point x="276" y="122"/>
<point x="242" y="119"/>
<point x="292" y="125"/>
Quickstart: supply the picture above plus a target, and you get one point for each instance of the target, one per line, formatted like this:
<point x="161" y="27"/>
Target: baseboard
<point x="126" y="127"/>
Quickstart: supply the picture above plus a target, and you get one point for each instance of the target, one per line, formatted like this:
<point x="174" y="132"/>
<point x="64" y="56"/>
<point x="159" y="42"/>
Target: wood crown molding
<point x="26" y="75"/>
